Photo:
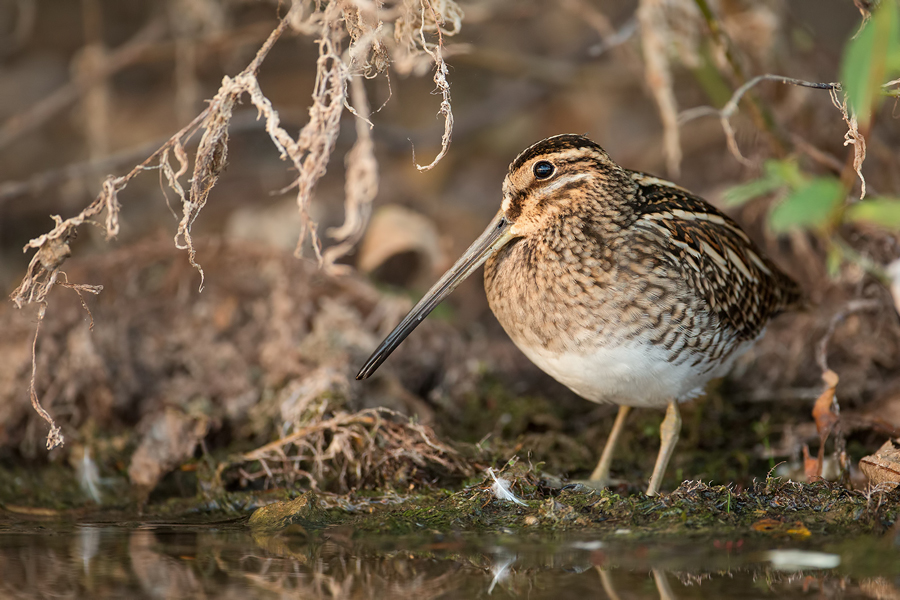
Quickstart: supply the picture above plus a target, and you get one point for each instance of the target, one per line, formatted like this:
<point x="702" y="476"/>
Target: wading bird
<point x="624" y="287"/>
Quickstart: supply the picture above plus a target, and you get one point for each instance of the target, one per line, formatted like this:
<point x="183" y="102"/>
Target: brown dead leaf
<point x="823" y="410"/>
<point x="883" y="467"/>
<point x="812" y="467"/>
<point x="826" y="418"/>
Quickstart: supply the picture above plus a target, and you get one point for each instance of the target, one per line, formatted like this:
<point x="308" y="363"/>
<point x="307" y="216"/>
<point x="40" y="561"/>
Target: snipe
<point x="626" y="288"/>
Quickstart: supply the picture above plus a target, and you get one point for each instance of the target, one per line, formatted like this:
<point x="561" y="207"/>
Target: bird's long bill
<point x="494" y="237"/>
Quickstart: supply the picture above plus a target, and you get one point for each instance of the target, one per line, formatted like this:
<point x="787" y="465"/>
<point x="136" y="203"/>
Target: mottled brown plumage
<point x="621" y="254"/>
<point x="624" y="287"/>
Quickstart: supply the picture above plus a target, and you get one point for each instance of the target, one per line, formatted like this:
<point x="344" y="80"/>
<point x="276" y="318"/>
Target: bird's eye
<point x="543" y="169"/>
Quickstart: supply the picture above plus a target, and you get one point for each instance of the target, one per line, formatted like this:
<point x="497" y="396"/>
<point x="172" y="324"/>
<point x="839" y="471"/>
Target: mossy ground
<point x="767" y="508"/>
<point x="773" y="508"/>
<point x="554" y="439"/>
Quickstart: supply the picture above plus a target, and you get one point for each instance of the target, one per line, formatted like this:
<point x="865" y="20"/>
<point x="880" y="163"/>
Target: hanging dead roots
<point x="356" y="40"/>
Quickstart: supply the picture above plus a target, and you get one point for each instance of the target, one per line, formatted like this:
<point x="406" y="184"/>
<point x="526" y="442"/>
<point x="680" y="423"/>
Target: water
<point x="226" y="560"/>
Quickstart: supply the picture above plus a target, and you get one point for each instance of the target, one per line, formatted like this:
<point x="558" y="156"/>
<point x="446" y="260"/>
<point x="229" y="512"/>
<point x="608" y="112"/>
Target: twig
<point x="361" y="182"/>
<point x="79" y="288"/>
<point x="362" y="444"/>
<point x="213" y="148"/>
<point x="54" y="437"/>
<point x="594" y="18"/>
<point x="852" y="307"/>
<point x="363" y="418"/>
<point x="727" y="111"/>
<point x="826" y="159"/>
<point x="826" y="410"/>
<point x="720" y="36"/>
<point x="854" y="138"/>
<point x="52" y="247"/>
<point x="615" y="39"/>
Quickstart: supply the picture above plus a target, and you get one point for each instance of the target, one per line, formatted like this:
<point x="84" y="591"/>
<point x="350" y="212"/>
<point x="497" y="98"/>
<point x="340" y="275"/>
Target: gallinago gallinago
<point x="626" y="288"/>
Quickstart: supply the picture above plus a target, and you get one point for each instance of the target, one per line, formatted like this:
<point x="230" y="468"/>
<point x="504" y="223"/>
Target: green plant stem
<point x="763" y="118"/>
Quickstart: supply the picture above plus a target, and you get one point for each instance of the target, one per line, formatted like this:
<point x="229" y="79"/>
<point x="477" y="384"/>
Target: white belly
<point x="631" y="374"/>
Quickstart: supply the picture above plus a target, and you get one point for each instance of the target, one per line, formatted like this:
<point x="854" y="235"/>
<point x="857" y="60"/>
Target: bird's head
<point x="552" y="178"/>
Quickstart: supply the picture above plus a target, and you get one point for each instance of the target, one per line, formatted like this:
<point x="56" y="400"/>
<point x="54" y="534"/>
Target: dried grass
<point x="418" y="30"/>
<point x="376" y="447"/>
<point x="852" y="138"/>
<point x="434" y="20"/>
<point x="656" y="37"/>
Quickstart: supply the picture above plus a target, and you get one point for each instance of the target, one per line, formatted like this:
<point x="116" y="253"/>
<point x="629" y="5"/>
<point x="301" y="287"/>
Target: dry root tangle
<point x="375" y="447"/>
<point x="356" y="39"/>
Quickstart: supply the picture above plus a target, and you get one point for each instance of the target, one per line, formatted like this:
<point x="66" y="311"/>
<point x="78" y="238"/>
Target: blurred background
<point x="93" y="87"/>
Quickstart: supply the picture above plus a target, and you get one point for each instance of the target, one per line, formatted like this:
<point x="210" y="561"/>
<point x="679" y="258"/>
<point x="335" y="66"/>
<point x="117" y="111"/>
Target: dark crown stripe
<point x="552" y="145"/>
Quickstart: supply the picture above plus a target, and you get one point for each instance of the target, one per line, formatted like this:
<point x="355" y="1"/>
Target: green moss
<point x="304" y="511"/>
<point x="772" y="508"/>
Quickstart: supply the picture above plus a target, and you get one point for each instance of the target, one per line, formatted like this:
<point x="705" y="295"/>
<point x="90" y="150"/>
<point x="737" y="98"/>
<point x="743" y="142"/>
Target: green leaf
<point x="869" y="58"/>
<point x="776" y="174"/>
<point x="787" y="171"/>
<point x="744" y="192"/>
<point x="880" y="211"/>
<point x="810" y="205"/>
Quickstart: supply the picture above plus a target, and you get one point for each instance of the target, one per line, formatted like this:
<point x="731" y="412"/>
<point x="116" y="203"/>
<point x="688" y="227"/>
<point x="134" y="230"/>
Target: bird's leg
<point x="668" y="434"/>
<point x="662" y="585"/>
<point x="606" y="582"/>
<point x="601" y="473"/>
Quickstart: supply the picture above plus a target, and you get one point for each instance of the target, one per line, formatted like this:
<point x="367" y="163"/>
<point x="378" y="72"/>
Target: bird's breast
<point x="607" y="335"/>
<point x="632" y="373"/>
<point x="551" y="298"/>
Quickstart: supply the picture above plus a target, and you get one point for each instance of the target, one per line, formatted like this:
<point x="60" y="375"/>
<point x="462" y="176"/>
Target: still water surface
<point x="226" y="560"/>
